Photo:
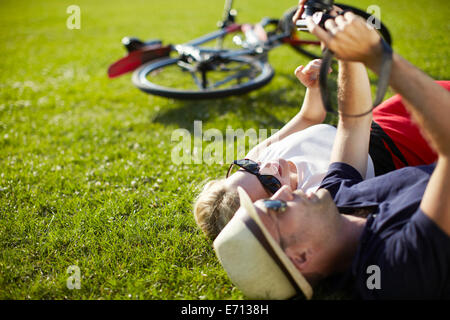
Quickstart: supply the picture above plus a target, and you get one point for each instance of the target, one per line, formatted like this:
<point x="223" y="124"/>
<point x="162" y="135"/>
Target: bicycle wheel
<point x="234" y="76"/>
<point x="309" y="44"/>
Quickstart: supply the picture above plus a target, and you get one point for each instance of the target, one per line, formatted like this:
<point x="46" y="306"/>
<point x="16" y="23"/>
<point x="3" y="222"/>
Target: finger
<point x="353" y="18"/>
<point x="317" y="64"/>
<point x="314" y="67"/>
<point x="317" y="61"/>
<point x="340" y="22"/>
<point x="314" y="63"/>
<point x="298" y="70"/>
<point x="318" y="31"/>
<point x="297" y="15"/>
<point x="299" y="11"/>
<point x="350" y="16"/>
<point x="311" y="71"/>
<point x="336" y="10"/>
<point x="331" y="25"/>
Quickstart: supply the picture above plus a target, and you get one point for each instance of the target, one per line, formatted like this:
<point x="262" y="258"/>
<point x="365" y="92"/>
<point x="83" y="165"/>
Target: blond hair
<point x="214" y="207"/>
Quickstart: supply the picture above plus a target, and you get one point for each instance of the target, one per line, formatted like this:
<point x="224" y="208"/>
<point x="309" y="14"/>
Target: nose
<point x="269" y="168"/>
<point x="284" y="193"/>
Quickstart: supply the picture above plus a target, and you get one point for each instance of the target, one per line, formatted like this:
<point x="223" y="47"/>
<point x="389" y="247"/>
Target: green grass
<point x="86" y="176"/>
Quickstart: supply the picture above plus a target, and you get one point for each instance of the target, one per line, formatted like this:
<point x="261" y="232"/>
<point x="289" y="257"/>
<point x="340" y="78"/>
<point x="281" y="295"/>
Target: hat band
<point x="256" y="231"/>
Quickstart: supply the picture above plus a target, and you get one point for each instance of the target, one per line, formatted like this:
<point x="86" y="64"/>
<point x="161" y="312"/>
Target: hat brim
<point x="295" y="274"/>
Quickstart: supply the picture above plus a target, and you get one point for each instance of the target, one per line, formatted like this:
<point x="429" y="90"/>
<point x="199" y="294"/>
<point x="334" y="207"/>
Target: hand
<point x="350" y="38"/>
<point x="309" y="75"/>
<point x="301" y="9"/>
<point x="318" y="15"/>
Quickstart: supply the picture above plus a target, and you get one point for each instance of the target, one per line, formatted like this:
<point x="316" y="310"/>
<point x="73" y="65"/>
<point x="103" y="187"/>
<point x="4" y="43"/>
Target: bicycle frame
<point x="206" y="59"/>
<point x="218" y="70"/>
<point x="227" y="26"/>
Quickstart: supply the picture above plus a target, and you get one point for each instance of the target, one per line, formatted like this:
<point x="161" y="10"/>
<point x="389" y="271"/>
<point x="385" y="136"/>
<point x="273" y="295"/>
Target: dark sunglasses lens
<point x="271" y="183"/>
<point x="275" y="205"/>
<point x="248" y="165"/>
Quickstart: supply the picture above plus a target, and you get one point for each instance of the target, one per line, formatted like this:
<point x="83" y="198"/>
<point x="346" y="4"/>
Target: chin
<point x="323" y="194"/>
<point x="293" y="186"/>
<point x="327" y="202"/>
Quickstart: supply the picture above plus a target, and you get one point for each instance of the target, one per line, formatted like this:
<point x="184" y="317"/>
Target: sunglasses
<point x="269" y="182"/>
<point x="275" y="205"/>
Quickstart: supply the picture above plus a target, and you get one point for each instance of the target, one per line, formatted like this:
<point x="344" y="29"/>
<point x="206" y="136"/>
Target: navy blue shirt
<point x="410" y="250"/>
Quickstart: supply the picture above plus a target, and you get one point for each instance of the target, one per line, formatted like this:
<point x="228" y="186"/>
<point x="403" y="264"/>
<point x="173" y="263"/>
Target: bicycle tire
<point x="286" y="22"/>
<point x="140" y="80"/>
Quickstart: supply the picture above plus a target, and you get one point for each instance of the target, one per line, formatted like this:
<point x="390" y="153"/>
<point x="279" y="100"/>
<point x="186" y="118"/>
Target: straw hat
<point x="254" y="261"/>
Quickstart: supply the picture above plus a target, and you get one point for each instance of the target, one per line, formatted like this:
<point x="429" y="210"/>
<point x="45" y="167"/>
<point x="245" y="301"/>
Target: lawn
<point x="86" y="174"/>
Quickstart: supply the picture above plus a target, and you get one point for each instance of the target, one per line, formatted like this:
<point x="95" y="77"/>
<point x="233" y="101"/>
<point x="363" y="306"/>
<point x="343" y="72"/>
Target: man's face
<point x="304" y="227"/>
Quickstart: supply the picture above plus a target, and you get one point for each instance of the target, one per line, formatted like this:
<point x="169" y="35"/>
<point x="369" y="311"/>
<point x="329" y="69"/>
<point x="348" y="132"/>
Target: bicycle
<point x="237" y="64"/>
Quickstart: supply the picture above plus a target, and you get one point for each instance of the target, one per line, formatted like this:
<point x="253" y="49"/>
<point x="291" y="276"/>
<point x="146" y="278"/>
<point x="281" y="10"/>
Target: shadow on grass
<point x="262" y="106"/>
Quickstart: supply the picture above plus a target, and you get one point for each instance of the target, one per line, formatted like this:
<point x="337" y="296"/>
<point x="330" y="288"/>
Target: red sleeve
<point x="396" y="122"/>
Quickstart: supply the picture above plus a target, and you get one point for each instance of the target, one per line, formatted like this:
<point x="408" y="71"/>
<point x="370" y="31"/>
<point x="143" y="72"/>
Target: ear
<point x="300" y="258"/>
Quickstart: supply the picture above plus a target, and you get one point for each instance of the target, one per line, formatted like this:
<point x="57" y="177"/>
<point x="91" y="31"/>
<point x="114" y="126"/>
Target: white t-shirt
<point x="310" y="151"/>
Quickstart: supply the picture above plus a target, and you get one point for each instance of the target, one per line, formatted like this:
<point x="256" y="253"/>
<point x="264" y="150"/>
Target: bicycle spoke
<point x="226" y="69"/>
<point x="237" y="70"/>
<point x="238" y="76"/>
<point x="196" y="80"/>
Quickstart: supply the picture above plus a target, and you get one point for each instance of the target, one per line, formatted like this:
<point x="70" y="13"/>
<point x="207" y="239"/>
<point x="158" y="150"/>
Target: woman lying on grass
<point x="298" y="155"/>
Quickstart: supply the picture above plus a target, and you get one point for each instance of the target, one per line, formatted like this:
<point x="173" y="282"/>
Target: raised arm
<point x="428" y="102"/>
<point x="351" y="144"/>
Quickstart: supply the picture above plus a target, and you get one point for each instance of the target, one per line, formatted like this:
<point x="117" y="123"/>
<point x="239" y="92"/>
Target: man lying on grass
<point x="396" y="225"/>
